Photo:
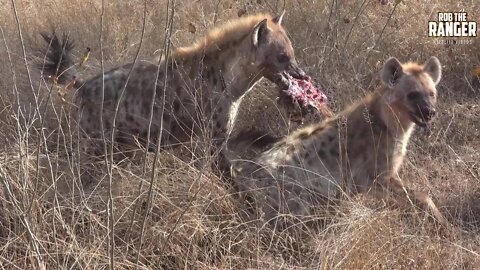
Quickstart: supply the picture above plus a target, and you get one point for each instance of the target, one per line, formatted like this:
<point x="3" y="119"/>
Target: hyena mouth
<point x="422" y="115"/>
<point x="418" y="119"/>
<point x="280" y="79"/>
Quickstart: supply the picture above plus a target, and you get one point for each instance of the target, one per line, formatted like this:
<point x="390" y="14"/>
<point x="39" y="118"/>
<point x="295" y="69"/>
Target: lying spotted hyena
<point x="200" y="84"/>
<point x="359" y="150"/>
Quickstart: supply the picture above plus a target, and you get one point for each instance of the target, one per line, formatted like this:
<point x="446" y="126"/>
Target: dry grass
<point x="54" y="211"/>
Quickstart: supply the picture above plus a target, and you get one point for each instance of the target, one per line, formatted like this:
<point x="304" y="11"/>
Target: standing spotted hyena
<point x="202" y="84"/>
<point x="359" y="150"/>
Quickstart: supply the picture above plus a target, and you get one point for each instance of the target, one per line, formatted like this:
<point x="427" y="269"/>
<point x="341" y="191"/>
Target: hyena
<point x="196" y="88"/>
<point x="359" y="150"/>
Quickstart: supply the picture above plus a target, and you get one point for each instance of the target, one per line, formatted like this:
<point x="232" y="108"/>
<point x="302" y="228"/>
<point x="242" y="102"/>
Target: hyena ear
<point x="278" y="19"/>
<point x="433" y="68"/>
<point x="258" y="33"/>
<point x="391" y="71"/>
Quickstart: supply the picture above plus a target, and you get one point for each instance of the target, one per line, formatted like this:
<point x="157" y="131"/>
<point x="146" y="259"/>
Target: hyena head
<point x="413" y="93"/>
<point x="273" y="54"/>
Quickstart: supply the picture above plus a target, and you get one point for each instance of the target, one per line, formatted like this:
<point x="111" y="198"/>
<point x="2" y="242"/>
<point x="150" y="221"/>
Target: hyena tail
<point x="59" y="65"/>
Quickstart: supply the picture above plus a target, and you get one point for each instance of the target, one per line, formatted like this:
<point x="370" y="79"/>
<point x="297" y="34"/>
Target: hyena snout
<point x="423" y="114"/>
<point x="429" y="113"/>
<point x="426" y="110"/>
<point x="281" y="77"/>
<point x="422" y="108"/>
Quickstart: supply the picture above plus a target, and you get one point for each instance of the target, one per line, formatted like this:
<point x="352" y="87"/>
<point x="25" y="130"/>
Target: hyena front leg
<point x="406" y="196"/>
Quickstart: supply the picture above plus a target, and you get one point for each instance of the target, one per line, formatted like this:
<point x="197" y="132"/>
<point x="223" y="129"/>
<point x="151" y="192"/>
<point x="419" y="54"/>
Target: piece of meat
<point x="303" y="92"/>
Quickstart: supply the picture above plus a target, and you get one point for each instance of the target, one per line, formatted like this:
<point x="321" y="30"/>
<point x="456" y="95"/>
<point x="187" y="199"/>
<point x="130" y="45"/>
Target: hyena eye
<point x="283" y="58"/>
<point x="431" y="94"/>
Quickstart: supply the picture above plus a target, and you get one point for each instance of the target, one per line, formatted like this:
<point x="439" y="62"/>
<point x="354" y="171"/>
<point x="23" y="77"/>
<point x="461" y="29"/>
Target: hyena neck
<point x="220" y="75"/>
<point x="230" y="79"/>
<point x="388" y="112"/>
<point x="237" y="73"/>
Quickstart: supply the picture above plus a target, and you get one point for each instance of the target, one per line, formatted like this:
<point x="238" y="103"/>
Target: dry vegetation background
<point x="51" y="217"/>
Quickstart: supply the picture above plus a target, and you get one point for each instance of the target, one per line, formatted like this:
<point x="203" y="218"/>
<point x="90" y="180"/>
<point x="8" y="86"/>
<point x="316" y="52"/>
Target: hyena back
<point x="359" y="150"/>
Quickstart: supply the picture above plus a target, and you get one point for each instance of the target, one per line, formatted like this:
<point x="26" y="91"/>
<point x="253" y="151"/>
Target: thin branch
<point x="33" y="240"/>
<point x="354" y="22"/>
<point x="166" y="53"/>
<point x="24" y="220"/>
<point x="383" y="30"/>
<point x="110" y="225"/>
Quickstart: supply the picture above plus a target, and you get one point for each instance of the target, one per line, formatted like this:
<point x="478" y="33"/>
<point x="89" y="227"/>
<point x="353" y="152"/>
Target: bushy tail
<point x="59" y="64"/>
